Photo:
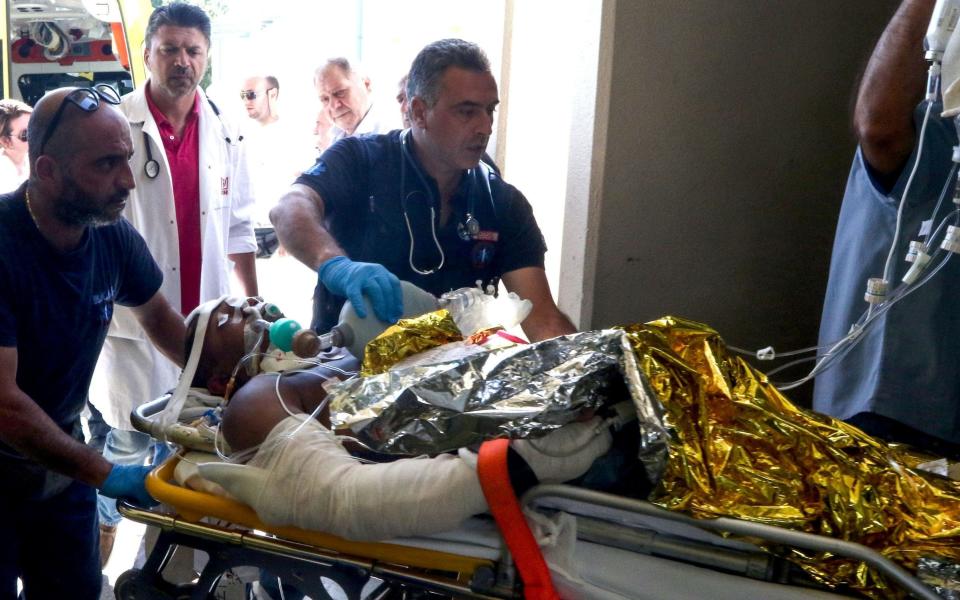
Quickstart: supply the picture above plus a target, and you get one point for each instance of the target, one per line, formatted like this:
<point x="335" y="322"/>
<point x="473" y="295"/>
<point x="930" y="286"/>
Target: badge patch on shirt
<point x="318" y="168"/>
<point x="102" y="306"/>
<point x="482" y="254"/>
<point x="224" y="185"/>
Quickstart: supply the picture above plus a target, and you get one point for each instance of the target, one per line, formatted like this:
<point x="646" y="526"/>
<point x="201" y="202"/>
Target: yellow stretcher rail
<point x="193" y="506"/>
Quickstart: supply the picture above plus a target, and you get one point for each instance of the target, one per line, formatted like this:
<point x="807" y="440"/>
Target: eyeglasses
<point x="252" y="95"/>
<point x="86" y="99"/>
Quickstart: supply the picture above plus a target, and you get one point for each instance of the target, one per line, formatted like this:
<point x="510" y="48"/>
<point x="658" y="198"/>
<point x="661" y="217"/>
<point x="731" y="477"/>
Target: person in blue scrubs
<point x="902" y="381"/>
<point x="419" y="205"/>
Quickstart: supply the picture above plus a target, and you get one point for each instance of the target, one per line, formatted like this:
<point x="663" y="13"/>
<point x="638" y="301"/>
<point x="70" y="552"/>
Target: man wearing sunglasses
<point x="14" y="166"/>
<point x="68" y="260"/>
<point x="192" y="205"/>
<point x="276" y="151"/>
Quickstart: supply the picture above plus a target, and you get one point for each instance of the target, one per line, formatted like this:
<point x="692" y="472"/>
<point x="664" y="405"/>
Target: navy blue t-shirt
<point x="55" y="307"/>
<point x="371" y="189"/>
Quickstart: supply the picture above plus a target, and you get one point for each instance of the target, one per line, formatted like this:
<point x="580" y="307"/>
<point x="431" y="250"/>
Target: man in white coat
<point x="193" y="207"/>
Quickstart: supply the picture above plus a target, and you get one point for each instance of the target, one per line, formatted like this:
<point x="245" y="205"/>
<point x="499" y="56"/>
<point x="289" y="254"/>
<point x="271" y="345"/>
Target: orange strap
<point x="495" y="481"/>
<point x="120" y="45"/>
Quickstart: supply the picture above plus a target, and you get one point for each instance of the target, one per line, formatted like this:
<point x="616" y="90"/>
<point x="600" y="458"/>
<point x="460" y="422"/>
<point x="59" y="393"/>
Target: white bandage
<point x="310" y="481"/>
<point x="565" y="453"/>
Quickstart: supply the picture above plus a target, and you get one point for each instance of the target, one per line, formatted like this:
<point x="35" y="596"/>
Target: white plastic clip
<point x="920" y="261"/>
<point x="951" y="241"/>
<point x="766" y="353"/>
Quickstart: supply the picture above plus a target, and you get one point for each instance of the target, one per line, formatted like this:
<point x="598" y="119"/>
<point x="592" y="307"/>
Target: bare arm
<point x="298" y="220"/>
<point x="164" y="326"/>
<point x="545" y="320"/>
<point x="892" y="86"/>
<point x="26" y="427"/>
<point x="245" y="267"/>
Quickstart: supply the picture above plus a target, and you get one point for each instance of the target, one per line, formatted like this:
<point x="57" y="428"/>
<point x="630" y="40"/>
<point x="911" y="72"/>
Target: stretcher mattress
<point x="586" y="570"/>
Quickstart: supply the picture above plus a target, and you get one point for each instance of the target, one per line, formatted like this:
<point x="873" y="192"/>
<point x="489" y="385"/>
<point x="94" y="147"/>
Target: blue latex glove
<point x="127" y="482"/>
<point x="354" y="280"/>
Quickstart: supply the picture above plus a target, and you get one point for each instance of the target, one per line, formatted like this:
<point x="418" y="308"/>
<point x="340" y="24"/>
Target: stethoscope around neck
<point x="151" y="168"/>
<point x="468" y="229"/>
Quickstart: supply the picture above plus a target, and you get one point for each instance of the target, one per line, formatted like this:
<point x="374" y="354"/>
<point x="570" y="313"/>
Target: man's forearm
<point x="545" y="320"/>
<point x="245" y="267"/>
<point x="26" y="427"/>
<point x="298" y="221"/>
<point x="545" y="323"/>
<point x="892" y="85"/>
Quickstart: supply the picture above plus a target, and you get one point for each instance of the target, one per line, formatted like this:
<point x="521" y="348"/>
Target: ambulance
<point x="55" y="43"/>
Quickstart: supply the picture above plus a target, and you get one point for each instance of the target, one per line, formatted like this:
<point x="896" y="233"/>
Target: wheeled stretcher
<point x="621" y="548"/>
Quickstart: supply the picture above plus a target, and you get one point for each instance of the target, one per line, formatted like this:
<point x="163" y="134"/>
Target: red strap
<point x="495" y="481"/>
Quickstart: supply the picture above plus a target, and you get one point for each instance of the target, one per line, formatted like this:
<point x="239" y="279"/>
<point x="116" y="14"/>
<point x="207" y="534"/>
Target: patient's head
<point x="234" y="330"/>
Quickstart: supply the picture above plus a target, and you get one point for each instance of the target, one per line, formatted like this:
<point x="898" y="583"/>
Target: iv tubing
<point x="888" y="266"/>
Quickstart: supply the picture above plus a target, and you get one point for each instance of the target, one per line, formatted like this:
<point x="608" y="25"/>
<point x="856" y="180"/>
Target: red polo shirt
<point x="183" y="156"/>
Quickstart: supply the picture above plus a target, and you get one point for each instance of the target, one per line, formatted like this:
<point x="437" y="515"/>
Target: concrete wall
<point x="721" y="146"/>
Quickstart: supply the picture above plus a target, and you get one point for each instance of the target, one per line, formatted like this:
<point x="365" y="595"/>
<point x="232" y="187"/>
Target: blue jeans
<point x="98" y="428"/>
<point x="50" y="545"/>
<point x="123" y="448"/>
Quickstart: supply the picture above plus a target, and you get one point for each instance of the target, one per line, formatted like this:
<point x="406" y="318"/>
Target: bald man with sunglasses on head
<point x="69" y="258"/>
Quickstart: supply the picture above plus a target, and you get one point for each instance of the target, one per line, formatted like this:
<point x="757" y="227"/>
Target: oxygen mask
<point x="258" y="317"/>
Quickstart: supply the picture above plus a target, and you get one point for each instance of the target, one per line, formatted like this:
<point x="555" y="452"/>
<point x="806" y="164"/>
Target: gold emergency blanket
<point x="408" y="337"/>
<point x="739" y="448"/>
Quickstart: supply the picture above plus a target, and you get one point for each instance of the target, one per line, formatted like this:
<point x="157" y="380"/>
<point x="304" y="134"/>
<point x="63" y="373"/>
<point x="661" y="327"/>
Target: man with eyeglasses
<point x="276" y="152"/>
<point x="193" y="207"/>
<point x="345" y="94"/>
<point x="14" y="166"/>
<point x="69" y="258"/>
<point x="259" y="95"/>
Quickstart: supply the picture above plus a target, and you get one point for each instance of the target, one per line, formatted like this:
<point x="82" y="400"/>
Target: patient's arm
<point x="254" y="410"/>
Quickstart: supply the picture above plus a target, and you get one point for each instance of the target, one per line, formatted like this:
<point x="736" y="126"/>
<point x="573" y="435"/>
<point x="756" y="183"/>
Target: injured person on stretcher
<point x="302" y="474"/>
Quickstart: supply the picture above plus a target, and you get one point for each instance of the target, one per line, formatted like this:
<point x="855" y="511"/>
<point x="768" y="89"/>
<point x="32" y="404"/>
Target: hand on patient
<point x="353" y="280"/>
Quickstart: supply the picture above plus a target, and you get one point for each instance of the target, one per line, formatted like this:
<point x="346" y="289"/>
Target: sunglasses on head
<point x="252" y="95"/>
<point x="86" y="99"/>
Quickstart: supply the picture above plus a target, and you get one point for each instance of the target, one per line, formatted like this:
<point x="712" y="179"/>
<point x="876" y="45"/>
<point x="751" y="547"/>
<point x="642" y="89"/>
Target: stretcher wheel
<point x="135" y="585"/>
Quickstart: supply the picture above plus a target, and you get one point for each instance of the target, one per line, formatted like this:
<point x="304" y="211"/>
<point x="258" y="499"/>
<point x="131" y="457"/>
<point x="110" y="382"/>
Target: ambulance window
<point x="32" y="87"/>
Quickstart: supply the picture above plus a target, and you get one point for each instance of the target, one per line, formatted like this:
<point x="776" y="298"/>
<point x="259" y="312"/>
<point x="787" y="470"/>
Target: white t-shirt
<point x="375" y="121"/>
<point x="276" y="154"/>
<point x="10" y="175"/>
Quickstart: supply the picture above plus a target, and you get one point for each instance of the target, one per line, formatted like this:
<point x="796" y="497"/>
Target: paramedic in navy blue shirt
<point x="419" y="205"/>
<point x="66" y="257"/>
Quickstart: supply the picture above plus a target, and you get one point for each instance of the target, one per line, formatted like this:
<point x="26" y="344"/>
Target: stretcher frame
<point x="303" y="557"/>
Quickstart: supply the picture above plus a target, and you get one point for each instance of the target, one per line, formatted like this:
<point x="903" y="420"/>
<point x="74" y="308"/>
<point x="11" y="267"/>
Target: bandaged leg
<point x="565" y="453"/>
<point x="310" y="481"/>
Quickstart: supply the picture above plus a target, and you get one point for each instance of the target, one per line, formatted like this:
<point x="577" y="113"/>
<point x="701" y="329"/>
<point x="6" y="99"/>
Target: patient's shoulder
<point x="253" y="411"/>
